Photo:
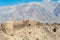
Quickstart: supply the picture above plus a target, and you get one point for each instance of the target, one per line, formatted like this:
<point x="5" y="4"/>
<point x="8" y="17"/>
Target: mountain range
<point x="39" y="11"/>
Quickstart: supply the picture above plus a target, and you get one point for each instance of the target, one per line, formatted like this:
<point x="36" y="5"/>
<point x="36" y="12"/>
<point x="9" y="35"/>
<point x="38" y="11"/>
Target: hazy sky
<point x="11" y="2"/>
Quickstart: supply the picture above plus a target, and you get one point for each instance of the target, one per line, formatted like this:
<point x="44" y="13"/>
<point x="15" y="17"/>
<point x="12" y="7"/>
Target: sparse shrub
<point x="54" y="29"/>
<point x="39" y="24"/>
<point x="56" y="23"/>
<point x="46" y="23"/>
<point x="29" y="24"/>
<point x="37" y="39"/>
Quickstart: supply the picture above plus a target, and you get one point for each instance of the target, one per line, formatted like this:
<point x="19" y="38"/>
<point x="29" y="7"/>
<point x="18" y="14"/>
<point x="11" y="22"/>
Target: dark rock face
<point x="57" y="10"/>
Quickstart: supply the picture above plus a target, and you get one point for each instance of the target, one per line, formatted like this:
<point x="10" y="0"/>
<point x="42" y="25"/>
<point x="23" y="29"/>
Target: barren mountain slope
<point x="29" y="30"/>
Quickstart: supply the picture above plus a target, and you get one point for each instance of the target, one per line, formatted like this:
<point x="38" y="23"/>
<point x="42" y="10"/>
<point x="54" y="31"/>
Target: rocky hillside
<point x="29" y="30"/>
